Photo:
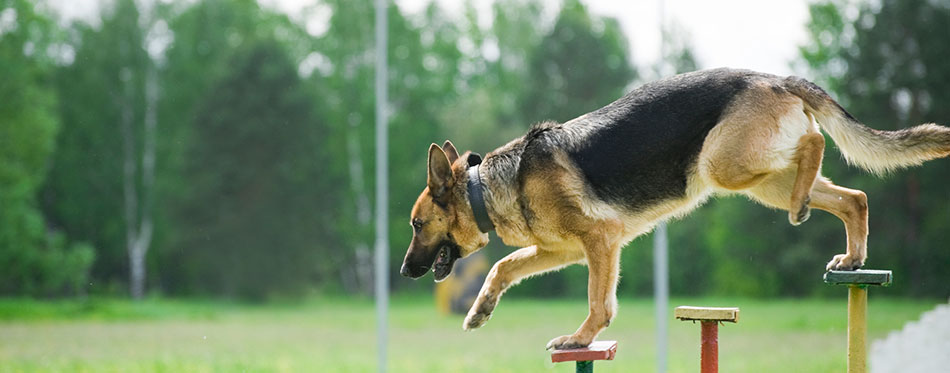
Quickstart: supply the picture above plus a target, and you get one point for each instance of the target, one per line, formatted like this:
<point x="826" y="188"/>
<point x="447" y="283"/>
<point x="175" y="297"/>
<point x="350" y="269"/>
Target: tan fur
<point x="503" y="207"/>
<point x="510" y="270"/>
<point x="874" y="150"/>
<point x="453" y="219"/>
<point x="811" y="147"/>
<point x="767" y="146"/>
<point x="757" y="135"/>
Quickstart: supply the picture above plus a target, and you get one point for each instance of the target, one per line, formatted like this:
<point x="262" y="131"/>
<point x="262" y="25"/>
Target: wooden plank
<point x="598" y="350"/>
<point x="859" y="277"/>
<point x="730" y="314"/>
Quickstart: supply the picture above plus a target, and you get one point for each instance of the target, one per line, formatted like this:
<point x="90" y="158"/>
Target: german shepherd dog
<point x="577" y="192"/>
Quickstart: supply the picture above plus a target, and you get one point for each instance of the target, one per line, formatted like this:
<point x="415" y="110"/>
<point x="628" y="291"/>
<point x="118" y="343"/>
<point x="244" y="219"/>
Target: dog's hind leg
<point x="811" y="147"/>
<point x="849" y="205"/>
<point x="762" y="133"/>
<point x="509" y="271"/>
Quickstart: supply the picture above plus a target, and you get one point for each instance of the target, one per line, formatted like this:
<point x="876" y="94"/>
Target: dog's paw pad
<point x="843" y="262"/>
<point x="475" y="320"/>
<point x="567" y="342"/>
<point x="801" y="215"/>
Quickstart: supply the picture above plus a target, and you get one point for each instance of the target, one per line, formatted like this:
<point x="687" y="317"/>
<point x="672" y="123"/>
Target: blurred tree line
<point x="218" y="147"/>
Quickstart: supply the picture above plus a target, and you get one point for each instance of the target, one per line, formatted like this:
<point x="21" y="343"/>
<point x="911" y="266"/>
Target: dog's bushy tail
<point x="874" y="150"/>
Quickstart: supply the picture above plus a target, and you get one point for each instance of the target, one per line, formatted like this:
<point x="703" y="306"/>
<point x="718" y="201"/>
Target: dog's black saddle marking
<point x="637" y="150"/>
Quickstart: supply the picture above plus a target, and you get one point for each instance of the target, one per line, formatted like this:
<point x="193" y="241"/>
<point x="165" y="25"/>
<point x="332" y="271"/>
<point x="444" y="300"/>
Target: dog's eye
<point x="416" y="224"/>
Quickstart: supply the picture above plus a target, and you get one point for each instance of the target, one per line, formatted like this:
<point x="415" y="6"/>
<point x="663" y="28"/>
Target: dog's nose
<point x="404" y="270"/>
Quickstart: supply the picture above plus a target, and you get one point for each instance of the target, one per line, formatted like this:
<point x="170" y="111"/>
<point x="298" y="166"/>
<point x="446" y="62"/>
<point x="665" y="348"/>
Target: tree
<point x="581" y="65"/>
<point x="36" y="259"/>
<point x="824" y="55"/>
<point x="107" y="146"/>
<point x="138" y="184"/>
<point x="888" y="65"/>
<point x="424" y="70"/>
<point x="205" y="38"/>
<point x="678" y="56"/>
<point x="485" y="112"/>
<point x="344" y="81"/>
<point x="257" y="216"/>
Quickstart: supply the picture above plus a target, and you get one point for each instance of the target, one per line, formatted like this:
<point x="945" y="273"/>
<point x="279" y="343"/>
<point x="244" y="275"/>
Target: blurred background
<point x="173" y="165"/>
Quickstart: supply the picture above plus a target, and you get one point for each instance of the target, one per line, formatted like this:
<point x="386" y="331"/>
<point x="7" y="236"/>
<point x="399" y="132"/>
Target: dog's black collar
<point x="476" y="198"/>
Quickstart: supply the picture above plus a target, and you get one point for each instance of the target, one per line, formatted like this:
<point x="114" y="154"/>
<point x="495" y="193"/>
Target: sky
<point x="753" y="34"/>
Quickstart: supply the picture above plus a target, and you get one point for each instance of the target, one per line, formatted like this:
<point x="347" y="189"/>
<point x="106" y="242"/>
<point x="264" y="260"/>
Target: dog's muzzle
<point x="440" y="261"/>
<point x="413" y="271"/>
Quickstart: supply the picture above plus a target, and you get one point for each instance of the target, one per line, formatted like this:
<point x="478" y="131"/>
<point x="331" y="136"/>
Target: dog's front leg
<point x="603" y="261"/>
<point x="509" y="271"/>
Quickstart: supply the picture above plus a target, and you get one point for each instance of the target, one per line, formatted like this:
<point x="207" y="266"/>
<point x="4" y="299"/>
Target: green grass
<point x="338" y="335"/>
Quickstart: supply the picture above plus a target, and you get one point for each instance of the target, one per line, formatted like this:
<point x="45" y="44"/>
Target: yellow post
<point x="857" y="328"/>
<point x="858" y="282"/>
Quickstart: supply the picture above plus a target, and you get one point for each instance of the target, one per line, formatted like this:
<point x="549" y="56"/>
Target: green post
<point x="586" y="366"/>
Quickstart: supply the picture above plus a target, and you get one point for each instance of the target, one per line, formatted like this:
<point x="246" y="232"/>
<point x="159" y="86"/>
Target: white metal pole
<point x="661" y="277"/>
<point x="382" y="186"/>
<point x="661" y="290"/>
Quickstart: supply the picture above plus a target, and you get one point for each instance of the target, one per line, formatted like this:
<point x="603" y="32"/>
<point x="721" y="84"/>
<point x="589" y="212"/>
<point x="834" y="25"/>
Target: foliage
<point x="265" y="154"/>
<point x="889" y="65"/>
<point x="109" y="70"/>
<point x="206" y="38"/>
<point x="35" y="259"/>
<point x="258" y="182"/>
<point x="580" y="66"/>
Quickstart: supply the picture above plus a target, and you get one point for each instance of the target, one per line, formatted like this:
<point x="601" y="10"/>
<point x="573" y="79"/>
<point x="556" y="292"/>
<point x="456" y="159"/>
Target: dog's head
<point x="443" y="225"/>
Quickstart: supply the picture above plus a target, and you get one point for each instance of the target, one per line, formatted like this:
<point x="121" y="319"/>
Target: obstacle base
<point x="585" y="357"/>
<point x="709" y="317"/>
<point x="858" y="282"/>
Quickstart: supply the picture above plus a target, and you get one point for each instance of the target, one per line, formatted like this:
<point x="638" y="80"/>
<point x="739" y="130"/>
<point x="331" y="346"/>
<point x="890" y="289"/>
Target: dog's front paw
<point x="568" y="341"/>
<point x="480" y="312"/>
<point x="844" y="262"/>
<point x="475" y="320"/>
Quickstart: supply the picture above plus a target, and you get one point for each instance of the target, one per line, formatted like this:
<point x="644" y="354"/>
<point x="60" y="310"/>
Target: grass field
<point x="338" y="335"/>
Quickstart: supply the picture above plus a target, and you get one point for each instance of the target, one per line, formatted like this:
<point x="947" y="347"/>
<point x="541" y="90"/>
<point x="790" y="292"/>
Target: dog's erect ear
<point x="440" y="172"/>
<point x="450" y="151"/>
